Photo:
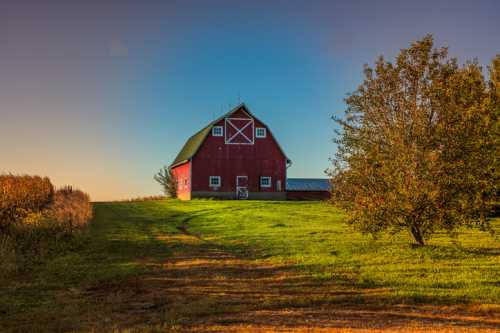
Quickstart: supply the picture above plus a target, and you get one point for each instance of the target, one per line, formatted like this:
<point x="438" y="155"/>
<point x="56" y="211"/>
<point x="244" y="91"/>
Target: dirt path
<point x="205" y="289"/>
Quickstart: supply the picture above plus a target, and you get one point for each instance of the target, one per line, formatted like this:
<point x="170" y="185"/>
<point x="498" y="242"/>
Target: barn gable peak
<point x="237" y="108"/>
<point x="194" y="142"/>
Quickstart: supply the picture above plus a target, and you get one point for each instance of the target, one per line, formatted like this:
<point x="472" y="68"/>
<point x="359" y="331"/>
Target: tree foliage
<point x="419" y="144"/>
<point x="168" y="182"/>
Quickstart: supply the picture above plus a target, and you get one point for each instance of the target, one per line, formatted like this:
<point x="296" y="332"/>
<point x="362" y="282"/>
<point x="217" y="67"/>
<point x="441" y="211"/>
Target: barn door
<point x="242" y="187"/>
<point x="239" y="131"/>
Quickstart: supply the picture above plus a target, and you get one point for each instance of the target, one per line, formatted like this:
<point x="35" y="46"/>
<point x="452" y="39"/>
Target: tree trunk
<point x="417" y="234"/>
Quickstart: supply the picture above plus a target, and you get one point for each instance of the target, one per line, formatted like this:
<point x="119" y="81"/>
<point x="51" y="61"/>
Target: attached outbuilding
<point x="308" y="189"/>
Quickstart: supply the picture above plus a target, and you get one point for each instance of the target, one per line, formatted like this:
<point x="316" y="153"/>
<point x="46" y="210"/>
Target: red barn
<point x="234" y="157"/>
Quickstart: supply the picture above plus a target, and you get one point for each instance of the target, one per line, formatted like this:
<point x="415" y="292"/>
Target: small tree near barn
<point x="167" y="181"/>
<point x="419" y="144"/>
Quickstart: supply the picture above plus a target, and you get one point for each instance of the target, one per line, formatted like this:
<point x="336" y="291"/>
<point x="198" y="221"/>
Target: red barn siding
<point x="308" y="195"/>
<point x="216" y="158"/>
<point x="183" y="175"/>
<point x="237" y="153"/>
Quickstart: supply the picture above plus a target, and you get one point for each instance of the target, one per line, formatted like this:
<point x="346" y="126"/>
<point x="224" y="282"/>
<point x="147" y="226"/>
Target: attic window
<point x="260" y="132"/>
<point x="217" y="131"/>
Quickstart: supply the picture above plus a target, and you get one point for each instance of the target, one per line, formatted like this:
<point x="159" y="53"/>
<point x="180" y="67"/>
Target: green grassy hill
<point x="129" y="244"/>
<point x="312" y="237"/>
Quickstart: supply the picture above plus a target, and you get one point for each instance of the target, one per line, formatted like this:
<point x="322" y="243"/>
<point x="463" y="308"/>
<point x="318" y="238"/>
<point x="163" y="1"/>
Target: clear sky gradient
<point x="101" y="94"/>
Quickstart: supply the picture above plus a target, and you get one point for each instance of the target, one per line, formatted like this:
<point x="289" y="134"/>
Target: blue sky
<point x="101" y="95"/>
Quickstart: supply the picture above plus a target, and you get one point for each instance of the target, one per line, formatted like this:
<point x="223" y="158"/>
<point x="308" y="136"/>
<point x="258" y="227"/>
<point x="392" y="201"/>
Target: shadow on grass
<point x="206" y="285"/>
<point x="145" y="270"/>
<point x="455" y="251"/>
<point x="109" y="256"/>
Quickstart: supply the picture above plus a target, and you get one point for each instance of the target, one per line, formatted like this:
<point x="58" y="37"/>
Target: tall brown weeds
<point x="20" y="195"/>
<point x="70" y="210"/>
<point x="36" y="221"/>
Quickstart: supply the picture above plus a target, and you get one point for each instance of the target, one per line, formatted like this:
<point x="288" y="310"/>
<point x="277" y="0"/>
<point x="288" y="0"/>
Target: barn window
<point x="265" y="181"/>
<point x="217" y="131"/>
<point x="260" y="132"/>
<point x="214" y="181"/>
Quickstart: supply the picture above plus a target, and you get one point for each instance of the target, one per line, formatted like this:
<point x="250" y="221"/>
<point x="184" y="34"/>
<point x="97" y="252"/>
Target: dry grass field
<point x="226" y="266"/>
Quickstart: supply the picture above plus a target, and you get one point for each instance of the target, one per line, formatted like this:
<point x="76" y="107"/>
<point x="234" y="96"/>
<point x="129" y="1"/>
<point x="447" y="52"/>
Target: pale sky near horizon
<point x="101" y="94"/>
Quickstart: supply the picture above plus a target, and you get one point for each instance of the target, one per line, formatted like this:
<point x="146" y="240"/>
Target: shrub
<point x="70" y="210"/>
<point x="27" y="244"/>
<point x="35" y="221"/>
<point x="20" y="195"/>
<point x="168" y="182"/>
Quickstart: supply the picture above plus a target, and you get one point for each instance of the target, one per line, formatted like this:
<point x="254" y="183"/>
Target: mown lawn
<point x="312" y="237"/>
<point x="82" y="288"/>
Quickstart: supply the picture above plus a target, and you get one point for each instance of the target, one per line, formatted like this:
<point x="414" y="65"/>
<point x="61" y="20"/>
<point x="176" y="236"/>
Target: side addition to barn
<point x="308" y="189"/>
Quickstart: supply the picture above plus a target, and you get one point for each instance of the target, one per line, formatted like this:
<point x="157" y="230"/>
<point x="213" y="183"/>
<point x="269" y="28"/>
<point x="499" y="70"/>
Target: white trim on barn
<point x="241" y="191"/>
<point x="218" y="131"/>
<point x="260" y="132"/>
<point x="218" y="183"/>
<point x="268" y="181"/>
<point x="239" y="131"/>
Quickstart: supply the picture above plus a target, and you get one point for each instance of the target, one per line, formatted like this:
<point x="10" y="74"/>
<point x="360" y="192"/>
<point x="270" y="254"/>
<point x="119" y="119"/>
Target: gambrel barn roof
<point x="194" y="142"/>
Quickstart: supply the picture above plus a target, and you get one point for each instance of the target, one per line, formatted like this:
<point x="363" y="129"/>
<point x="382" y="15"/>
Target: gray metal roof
<point x="308" y="184"/>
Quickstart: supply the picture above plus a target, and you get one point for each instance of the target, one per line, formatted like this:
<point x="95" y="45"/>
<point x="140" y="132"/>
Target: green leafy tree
<point x="418" y="146"/>
<point x="494" y="105"/>
<point x="168" y="182"/>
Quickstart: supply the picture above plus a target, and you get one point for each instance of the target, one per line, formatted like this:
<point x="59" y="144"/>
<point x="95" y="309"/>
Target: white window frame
<point x="260" y="136"/>
<point x="219" y="181"/>
<point x="269" y="183"/>
<point x="221" y="128"/>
